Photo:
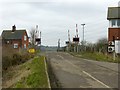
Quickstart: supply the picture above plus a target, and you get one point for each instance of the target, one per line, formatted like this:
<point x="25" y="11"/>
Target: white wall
<point x="117" y="46"/>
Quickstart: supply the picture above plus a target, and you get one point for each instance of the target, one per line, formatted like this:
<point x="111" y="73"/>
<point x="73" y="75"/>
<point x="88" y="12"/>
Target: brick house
<point x="114" y="29"/>
<point x="17" y="39"/>
<point x="114" y="23"/>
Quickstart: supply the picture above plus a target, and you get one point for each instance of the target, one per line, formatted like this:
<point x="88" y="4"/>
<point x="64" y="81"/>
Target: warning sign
<point x="32" y="50"/>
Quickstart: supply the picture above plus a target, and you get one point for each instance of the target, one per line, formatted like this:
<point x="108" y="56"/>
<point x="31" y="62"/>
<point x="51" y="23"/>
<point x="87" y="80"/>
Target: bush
<point x="25" y="57"/>
<point x="15" y="59"/>
<point x="6" y="62"/>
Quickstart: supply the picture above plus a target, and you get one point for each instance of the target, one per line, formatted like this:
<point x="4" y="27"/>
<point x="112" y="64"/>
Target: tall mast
<point x="69" y="35"/>
<point x="76" y="31"/>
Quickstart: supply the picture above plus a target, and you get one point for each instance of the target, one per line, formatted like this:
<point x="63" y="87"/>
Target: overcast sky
<point x="55" y="17"/>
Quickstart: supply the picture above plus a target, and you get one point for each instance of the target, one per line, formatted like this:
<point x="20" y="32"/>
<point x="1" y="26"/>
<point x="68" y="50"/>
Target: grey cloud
<point x="55" y="18"/>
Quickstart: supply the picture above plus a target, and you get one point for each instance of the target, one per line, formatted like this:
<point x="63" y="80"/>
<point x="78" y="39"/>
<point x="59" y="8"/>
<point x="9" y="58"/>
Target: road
<point x="73" y="72"/>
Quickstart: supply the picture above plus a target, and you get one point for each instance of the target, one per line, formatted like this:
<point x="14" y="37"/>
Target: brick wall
<point x="18" y="42"/>
<point x="25" y="42"/>
<point x="113" y="32"/>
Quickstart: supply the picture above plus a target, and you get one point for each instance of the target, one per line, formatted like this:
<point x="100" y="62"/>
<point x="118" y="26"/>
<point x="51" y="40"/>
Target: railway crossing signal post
<point x="83" y="42"/>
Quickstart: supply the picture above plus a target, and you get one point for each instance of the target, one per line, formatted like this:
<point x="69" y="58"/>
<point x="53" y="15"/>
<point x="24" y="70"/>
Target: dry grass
<point x="37" y="78"/>
<point x="97" y="56"/>
<point x="14" y="74"/>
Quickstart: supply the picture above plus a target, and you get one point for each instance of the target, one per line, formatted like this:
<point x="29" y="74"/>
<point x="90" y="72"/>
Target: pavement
<point x="74" y="72"/>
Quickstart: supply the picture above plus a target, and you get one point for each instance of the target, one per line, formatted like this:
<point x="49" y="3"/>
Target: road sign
<point x="75" y="39"/>
<point x="32" y="50"/>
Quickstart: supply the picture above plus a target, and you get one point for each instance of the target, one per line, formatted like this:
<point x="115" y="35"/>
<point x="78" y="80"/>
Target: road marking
<point x="60" y="56"/>
<point x="96" y="79"/>
<point x="89" y="75"/>
<point x="46" y="71"/>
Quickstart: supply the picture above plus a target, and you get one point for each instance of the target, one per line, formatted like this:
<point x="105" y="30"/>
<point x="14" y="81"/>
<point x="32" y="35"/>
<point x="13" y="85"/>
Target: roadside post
<point x="114" y="55"/>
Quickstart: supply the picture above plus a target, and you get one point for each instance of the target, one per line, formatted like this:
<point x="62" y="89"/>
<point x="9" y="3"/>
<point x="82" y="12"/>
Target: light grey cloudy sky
<point x="55" y="17"/>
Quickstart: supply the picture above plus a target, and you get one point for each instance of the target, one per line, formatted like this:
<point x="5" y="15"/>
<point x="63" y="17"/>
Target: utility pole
<point x="77" y="44"/>
<point x="83" y="35"/>
<point x="36" y="34"/>
<point x="114" y="54"/>
<point x="76" y="31"/>
<point x="68" y="35"/>
<point x="69" y="40"/>
<point x="40" y="38"/>
<point x="58" y="44"/>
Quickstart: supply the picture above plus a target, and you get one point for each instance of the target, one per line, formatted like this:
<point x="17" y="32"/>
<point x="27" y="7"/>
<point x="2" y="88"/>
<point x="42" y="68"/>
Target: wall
<point x="25" y="42"/>
<point x="113" y="32"/>
<point x="11" y="43"/>
<point x="18" y="42"/>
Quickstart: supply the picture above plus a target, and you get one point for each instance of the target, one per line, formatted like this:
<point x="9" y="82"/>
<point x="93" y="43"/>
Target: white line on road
<point x="88" y="75"/>
<point x="60" y="56"/>
<point x="96" y="79"/>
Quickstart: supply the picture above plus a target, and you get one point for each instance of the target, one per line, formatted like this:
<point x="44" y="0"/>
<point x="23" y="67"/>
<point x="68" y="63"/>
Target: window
<point x="113" y="23"/>
<point x="118" y="23"/>
<point x="15" y="45"/>
<point x="25" y="38"/>
<point x="24" y="45"/>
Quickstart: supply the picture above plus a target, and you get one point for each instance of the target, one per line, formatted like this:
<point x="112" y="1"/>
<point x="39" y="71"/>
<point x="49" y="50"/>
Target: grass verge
<point x="96" y="56"/>
<point x="37" y="78"/>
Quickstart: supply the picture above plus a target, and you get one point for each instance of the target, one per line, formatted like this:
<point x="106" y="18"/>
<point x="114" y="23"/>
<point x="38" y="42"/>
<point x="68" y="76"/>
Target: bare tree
<point x="90" y="47"/>
<point x="32" y="36"/>
<point x="101" y="45"/>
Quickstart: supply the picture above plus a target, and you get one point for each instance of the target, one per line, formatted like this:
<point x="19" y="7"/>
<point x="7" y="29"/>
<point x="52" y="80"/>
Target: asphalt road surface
<point x="73" y="72"/>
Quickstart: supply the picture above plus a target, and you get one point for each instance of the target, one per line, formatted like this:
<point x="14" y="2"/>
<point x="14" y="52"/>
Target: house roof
<point x="113" y="13"/>
<point x="17" y="34"/>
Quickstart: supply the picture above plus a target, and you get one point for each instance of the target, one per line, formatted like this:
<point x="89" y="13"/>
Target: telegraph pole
<point x="58" y="44"/>
<point x="68" y="40"/>
<point x="36" y="34"/>
<point x="68" y="35"/>
<point x="83" y="31"/>
<point x="77" y="46"/>
<point x="76" y="31"/>
<point x="83" y="35"/>
<point x="40" y="38"/>
<point x="114" y="54"/>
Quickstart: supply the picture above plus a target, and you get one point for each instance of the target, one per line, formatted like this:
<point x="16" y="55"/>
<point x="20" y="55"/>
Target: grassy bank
<point x="37" y="77"/>
<point x="96" y="56"/>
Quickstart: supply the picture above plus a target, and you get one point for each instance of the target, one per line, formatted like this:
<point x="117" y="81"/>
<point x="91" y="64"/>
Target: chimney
<point x="13" y="28"/>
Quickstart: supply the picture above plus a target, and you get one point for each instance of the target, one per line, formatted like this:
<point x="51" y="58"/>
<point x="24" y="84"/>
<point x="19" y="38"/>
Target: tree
<point x="32" y="36"/>
<point x="101" y="45"/>
<point x="83" y="43"/>
<point x="90" y="47"/>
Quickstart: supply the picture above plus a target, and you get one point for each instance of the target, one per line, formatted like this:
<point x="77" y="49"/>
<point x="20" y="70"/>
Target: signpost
<point x="31" y="50"/>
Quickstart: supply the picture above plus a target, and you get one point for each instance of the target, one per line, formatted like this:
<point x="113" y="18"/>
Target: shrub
<point x="25" y="57"/>
<point x="6" y="62"/>
<point x="15" y="59"/>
